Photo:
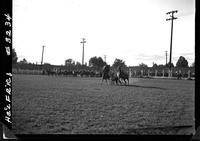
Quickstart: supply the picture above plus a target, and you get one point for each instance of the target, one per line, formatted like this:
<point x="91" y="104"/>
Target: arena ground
<point x="73" y="105"/>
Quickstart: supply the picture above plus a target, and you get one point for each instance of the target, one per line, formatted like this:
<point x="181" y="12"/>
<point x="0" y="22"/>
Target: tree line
<point x="97" y="63"/>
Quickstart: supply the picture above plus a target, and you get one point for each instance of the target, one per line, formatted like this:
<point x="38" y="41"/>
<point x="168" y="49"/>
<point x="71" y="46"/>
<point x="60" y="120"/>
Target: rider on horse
<point x="106" y="71"/>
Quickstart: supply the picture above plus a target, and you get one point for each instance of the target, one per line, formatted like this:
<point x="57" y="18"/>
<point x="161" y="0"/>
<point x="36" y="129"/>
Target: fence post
<point x="130" y="72"/>
<point x="142" y="73"/>
<point x="163" y="73"/>
<point x="171" y="73"/>
<point x="155" y="73"/>
<point x="189" y="74"/>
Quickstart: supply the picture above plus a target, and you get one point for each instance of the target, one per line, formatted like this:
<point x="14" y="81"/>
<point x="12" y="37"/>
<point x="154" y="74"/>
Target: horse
<point x="179" y="75"/>
<point x="50" y="72"/>
<point x="123" y="76"/>
<point x="114" y="78"/>
<point x="105" y="73"/>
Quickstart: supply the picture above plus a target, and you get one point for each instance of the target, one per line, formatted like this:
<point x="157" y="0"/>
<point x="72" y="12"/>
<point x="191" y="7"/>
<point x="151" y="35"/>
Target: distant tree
<point x="47" y="64"/>
<point x="118" y="63"/>
<point x="96" y="62"/>
<point x="154" y="65"/>
<point x="14" y="56"/>
<point x="78" y="63"/>
<point x="24" y="61"/>
<point x="69" y="62"/>
<point x="182" y="62"/>
<point x="172" y="65"/>
<point x="161" y="66"/>
<point x="193" y="64"/>
<point x="142" y="65"/>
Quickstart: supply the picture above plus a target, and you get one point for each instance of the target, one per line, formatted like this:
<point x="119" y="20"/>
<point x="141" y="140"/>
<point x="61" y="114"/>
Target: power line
<point x="82" y="42"/>
<point x="105" y="58"/>
<point x="172" y="18"/>
<point x="166" y="56"/>
<point x="42" y="54"/>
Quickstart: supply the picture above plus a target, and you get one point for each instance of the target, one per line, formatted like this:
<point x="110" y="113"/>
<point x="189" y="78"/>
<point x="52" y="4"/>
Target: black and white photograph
<point x="103" y="67"/>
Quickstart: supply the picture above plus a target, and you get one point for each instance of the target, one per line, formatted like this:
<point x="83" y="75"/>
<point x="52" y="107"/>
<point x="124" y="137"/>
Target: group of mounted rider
<point x="74" y="73"/>
<point x="116" y="76"/>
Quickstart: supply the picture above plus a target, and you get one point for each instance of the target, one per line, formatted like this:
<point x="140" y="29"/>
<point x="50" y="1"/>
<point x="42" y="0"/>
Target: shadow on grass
<point x="144" y="86"/>
<point x="158" y="130"/>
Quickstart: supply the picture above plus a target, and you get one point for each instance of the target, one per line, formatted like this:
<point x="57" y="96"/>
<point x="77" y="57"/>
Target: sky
<point x="135" y="31"/>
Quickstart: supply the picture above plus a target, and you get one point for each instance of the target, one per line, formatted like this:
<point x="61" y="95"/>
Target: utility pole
<point x="172" y="18"/>
<point x="166" y="57"/>
<point x="82" y="42"/>
<point x="42" y="54"/>
<point x="105" y="58"/>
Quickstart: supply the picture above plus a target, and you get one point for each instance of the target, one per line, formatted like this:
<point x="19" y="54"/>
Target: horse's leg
<point x="120" y="81"/>
<point x="111" y="82"/>
<point x="106" y="81"/>
<point x="124" y="81"/>
<point x="102" y="81"/>
<point x="116" y="81"/>
<point x="128" y="81"/>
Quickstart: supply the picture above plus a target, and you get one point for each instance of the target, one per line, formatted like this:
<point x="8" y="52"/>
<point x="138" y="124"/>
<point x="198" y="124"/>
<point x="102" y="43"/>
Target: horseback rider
<point x="105" y="75"/>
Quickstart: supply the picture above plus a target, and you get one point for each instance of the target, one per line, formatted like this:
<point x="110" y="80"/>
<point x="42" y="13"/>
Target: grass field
<point x="67" y="105"/>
